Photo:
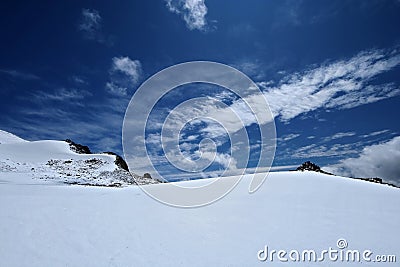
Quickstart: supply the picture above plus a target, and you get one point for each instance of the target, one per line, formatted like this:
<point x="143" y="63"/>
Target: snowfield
<point x="46" y="221"/>
<point x="61" y="225"/>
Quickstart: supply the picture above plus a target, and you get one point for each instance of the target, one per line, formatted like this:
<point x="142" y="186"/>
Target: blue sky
<point x="330" y="71"/>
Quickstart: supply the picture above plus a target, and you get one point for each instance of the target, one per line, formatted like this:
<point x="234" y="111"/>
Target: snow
<point x="47" y="224"/>
<point x="55" y="161"/>
<point x="46" y="221"/>
<point x="9" y="138"/>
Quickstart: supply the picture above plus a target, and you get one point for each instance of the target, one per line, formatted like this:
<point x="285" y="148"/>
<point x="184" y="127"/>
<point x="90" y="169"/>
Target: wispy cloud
<point x="251" y="69"/>
<point x="78" y="80"/>
<point x="287" y="137"/>
<point x="338" y="136"/>
<point x="91" y="22"/>
<point x="374" y="133"/>
<point x="342" y="84"/>
<point x="94" y="123"/>
<point x="380" y="160"/>
<point x="125" y="73"/>
<point x="324" y="150"/>
<point x="324" y="86"/>
<point x="61" y="94"/>
<point x="20" y="74"/>
<point x="192" y="11"/>
<point x="91" y="26"/>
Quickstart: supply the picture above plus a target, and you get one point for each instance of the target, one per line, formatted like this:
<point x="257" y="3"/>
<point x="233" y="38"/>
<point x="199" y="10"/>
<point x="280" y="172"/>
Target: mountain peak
<point x="309" y="166"/>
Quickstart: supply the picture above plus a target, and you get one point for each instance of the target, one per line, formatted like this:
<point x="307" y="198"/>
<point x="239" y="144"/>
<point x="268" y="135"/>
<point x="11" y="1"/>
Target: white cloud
<point x="124" y="75"/>
<point x="20" y="74"/>
<point x="193" y="12"/>
<point x="338" y="136"/>
<point x="287" y="137"/>
<point x="61" y="94"/>
<point x="381" y="160"/>
<point x="343" y="84"/>
<point x="90" y="22"/>
<point x="319" y="150"/>
<point x="296" y="94"/>
<point x="374" y="133"/>
<point x="79" y="80"/>
<point x="115" y="89"/>
<point x="131" y="68"/>
<point x="91" y="26"/>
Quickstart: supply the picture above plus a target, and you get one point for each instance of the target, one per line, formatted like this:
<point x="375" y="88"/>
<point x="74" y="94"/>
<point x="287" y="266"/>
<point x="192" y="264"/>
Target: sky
<point x="330" y="71"/>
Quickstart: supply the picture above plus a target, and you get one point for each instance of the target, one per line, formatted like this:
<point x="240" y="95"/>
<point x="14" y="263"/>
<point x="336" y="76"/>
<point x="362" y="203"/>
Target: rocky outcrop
<point x="147" y="175"/>
<point x="377" y="180"/>
<point x="309" y="166"/>
<point x="81" y="149"/>
<point x="78" y="148"/>
<point x="119" y="161"/>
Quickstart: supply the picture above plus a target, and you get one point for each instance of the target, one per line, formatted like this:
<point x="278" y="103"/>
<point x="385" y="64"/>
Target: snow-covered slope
<point x="9" y="138"/>
<point x="54" y="161"/>
<point x="55" y="225"/>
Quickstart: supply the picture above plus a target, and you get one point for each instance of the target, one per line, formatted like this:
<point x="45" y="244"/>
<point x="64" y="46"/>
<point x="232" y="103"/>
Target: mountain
<point x="309" y="166"/>
<point x="63" y="161"/>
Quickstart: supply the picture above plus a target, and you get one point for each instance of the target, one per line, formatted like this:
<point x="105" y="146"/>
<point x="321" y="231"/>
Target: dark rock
<point x="78" y="148"/>
<point x="147" y="175"/>
<point x="377" y="181"/>
<point x="309" y="166"/>
<point x="81" y="149"/>
<point x="119" y="161"/>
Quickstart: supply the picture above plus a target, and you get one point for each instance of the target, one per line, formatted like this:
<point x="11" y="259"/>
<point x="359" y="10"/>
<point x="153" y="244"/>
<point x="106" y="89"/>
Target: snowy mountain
<point x="62" y="161"/>
<point x="302" y="218"/>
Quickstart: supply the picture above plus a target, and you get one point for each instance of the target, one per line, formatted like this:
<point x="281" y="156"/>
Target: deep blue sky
<point x="68" y="69"/>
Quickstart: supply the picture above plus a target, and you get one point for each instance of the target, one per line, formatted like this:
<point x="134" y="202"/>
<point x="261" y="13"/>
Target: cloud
<point x="251" y="69"/>
<point x="193" y="12"/>
<point x="61" y="94"/>
<point x="94" y="123"/>
<point x="287" y="137"/>
<point x="91" y="22"/>
<point x="374" y="133"/>
<point x="380" y="160"/>
<point x="338" y="136"/>
<point x="20" y="75"/>
<point x="78" y="80"/>
<point x="323" y="147"/>
<point x="297" y="93"/>
<point x="91" y="26"/>
<point x="342" y="84"/>
<point x="323" y="151"/>
<point x="131" y="68"/>
<point x="125" y="73"/>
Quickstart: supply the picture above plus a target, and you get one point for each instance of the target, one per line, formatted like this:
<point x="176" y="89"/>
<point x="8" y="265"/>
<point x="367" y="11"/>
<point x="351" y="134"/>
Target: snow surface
<point x="44" y="224"/>
<point x="9" y="138"/>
